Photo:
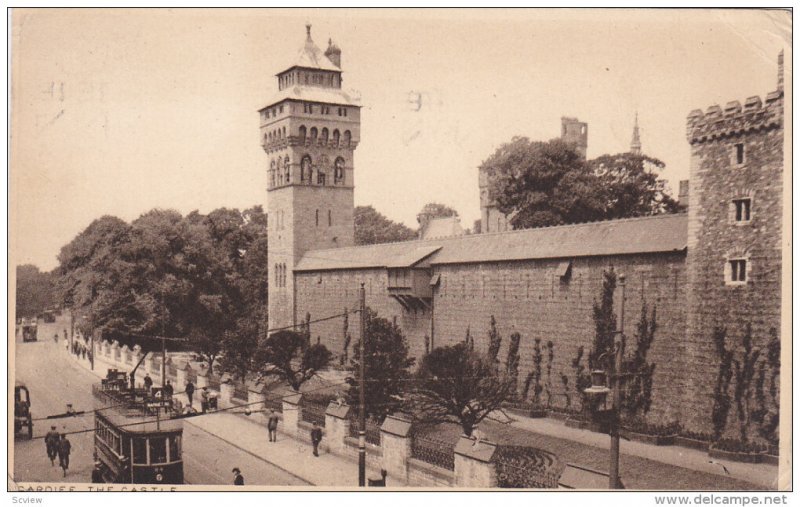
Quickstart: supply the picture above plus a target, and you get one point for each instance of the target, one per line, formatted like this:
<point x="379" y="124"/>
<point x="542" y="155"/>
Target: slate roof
<point x="314" y="94"/>
<point x="443" y="227"/>
<point x="311" y="57"/>
<point x="660" y="233"/>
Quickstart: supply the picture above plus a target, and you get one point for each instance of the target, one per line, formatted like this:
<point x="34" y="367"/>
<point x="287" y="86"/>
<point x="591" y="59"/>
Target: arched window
<point x="338" y="171"/>
<point x="316" y="217"/>
<point x="313" y="134"/>
<point x="330" y="219"/>
<point x="306" y="169"/>
<point x="347" y="138"/>
<point x="272" y="173"/>
<point x="336" y="137"/>
<point x="324" y="136"/>
<point x="287" y="169"/>
<point x="266" y="139"/>
<point x="302" y="133"/>
<point x="284" y="132"/>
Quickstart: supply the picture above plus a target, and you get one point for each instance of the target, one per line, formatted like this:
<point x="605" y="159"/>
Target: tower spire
<point x="636" y="143"/>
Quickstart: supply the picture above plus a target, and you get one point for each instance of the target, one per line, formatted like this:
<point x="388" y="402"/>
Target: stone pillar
<point x="473" y="464"/>
<point x="337" y="427"/>
<point x="396" y="445"/>
<point x="181" y="376"/>
<point x="225" y="394"/>
<point x="291" y="412"/>
<point x="256" y="396"/>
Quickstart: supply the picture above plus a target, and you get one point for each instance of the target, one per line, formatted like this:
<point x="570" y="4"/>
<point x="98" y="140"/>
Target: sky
<point x="116" y="112"/>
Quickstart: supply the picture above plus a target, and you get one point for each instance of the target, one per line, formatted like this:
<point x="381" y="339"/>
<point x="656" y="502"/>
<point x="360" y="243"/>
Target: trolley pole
<point x="613" y="476"/>
<point x="163" y="346"/>
<point x="362" y="419"/>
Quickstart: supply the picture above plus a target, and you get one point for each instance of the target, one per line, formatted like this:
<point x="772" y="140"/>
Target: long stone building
<point x="717" y="265"/>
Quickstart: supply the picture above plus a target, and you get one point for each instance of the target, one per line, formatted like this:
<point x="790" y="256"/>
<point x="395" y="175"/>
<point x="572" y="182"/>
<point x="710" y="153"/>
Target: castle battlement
<point x="736" y="120"/>
<point x="718" y="122"/>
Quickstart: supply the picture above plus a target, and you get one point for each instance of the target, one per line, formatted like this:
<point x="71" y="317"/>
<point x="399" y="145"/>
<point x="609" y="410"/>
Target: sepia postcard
<point x="409" y="249"/>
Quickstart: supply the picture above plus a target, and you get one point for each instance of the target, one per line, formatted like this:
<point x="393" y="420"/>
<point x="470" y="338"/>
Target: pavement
<point x="761" y="475"/>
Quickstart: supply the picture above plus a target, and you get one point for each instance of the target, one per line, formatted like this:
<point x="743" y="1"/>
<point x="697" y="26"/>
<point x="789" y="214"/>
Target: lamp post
<point x="362" y="419"/>
<point x="599" y="392"/>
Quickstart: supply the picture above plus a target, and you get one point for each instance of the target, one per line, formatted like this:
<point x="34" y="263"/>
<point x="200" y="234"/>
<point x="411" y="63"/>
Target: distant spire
<point x="636" y="144"/>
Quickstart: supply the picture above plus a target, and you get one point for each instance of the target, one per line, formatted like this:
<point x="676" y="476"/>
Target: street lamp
<point x="599" y="391"/>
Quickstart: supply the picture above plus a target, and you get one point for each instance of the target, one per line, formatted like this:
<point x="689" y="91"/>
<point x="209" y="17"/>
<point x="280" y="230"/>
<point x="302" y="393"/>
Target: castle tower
<point x="636" y="143"/>
<point x="734" y="238"/>
<point x="309" y="131"/>
<point x="576" y="133"/>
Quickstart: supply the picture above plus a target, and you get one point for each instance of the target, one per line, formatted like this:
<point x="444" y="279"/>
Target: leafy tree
<point x="288" y="356"/>
<point x="240" y="348"/>
<point x="372" y="227"/>
<point x="494" y="339"/>
<point x="458" y="385"/>
<point x="631" y="186"/>
<point x="605" y="323"/>
<point x="512" y="361"/>
<point x="386" y="368"/>
<point x="35" y="291"/>
<point x="744" y="370"/>
<point x="722" y="398"/>
<point x="638" y="394"/>
<point x="541" y="184"/>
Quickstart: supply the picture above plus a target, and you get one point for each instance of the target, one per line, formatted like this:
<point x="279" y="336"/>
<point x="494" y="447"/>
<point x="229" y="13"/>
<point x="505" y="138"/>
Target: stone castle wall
<point x="527" y="297"/>
<point x="715" y="236"/>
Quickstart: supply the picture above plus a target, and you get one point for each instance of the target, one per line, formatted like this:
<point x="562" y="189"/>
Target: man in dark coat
<point x="148" y="383"/>
<point x="316" y="438"/>
<point x="238" y="478"/>
<point x="64" y="448"/>
<point x="97" y="474"/>
<point x="168" y="390"/>
<point x="272" y="426"/>
<point x="189" y="391"/>
<point x="51" y="443"/>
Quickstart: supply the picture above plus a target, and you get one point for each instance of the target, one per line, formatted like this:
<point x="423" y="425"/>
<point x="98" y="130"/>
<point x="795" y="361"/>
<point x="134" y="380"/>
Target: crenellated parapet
<point x="734" y="119"/>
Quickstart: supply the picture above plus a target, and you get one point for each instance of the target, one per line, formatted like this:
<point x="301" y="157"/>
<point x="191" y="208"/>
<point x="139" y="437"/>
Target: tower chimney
<point x="334" y="54"/>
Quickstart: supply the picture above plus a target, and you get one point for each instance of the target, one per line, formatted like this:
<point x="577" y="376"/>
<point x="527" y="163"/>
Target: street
<point x="54" y="379"/>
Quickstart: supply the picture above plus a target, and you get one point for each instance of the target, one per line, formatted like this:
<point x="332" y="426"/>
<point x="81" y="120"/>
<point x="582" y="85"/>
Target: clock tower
<point x="309" y="132"/>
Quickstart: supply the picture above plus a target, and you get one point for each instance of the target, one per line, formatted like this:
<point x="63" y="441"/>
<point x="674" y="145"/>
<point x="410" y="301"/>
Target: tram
<point x="138" y="437"/>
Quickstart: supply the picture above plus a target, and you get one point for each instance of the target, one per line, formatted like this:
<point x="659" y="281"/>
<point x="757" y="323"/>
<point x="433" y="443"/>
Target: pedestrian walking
<point x="97" y="474"/>
<point x="64" y="448"/>
<point x="204" y="400"/>
<point x="272" y="426"/>
<point x="51" y="443"/>
<point x="168" y="390"/>
<point x="55" y="338"/>
<point x="133" y="381"/>
<point x="316" y="438"/>
<point x="189" y="391"/>
<point x="148" y="383"/>
<point x="238" y="478"/>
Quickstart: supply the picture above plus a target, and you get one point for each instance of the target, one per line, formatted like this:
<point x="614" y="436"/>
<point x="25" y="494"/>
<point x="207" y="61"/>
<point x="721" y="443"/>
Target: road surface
<point x="54" y="379"/>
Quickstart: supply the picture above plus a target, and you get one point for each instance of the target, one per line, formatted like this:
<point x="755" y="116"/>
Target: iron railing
<point x="213" y="382"/>
<point x="433" y="451"/>
<point x="274" y="402"/>
<point x="527" y="467"/>
<point x="372" y="430"/>
<point x="312" y="412"/>
<point x="240" y="391"/>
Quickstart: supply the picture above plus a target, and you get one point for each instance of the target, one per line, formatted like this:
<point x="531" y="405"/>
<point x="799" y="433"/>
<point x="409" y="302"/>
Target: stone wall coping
<point x="371" y="448"/>
<point x="480" y="451"/>
<point x="292" y="397"/>
<point x="338" y="410"/>
<point x="396" y="425"/>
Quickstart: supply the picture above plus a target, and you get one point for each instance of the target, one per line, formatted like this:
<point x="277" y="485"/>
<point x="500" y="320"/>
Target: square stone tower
<point x="309" y="132"/>
<point x="734" y="240"/>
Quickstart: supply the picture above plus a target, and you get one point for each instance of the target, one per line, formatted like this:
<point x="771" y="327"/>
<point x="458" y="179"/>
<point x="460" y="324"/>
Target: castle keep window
<point x="338" y="169"/>
<point x="738" y="153"/>
<point x="736" y="272"/>
<point x="741" y="209"/>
